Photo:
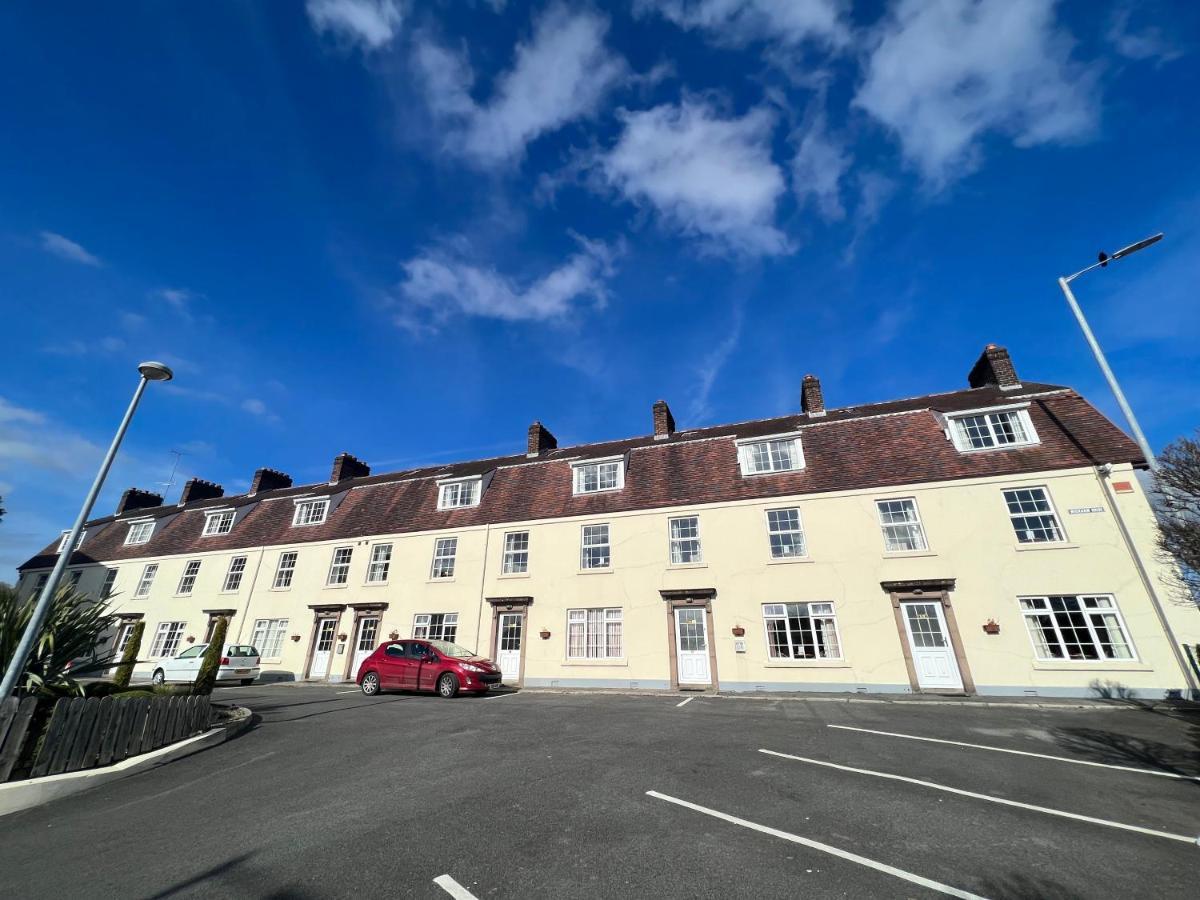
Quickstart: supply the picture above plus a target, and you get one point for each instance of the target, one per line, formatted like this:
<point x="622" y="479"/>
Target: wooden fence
<point x="87" y="732"/>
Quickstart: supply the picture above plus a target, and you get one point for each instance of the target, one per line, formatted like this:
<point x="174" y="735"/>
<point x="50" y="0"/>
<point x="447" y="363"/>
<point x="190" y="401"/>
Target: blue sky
<point x="408" y="230"/>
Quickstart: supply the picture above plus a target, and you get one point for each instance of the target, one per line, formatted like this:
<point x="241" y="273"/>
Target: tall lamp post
<point x="1065" y="284"/>
<point x="150" y="371"/>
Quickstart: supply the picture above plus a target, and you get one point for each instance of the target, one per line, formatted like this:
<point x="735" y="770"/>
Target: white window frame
<point x="1052" y="513"/>
<point x="746" y="457"/>
<point x="883" y="526"/>
<point x="451" y="492"/>
<point x="814" y="610"/>
<point x="124" y="632"/>
<point x="62" y="542"/>
<point x="339" y="568"/>
<point x="962" y="443"/>
<point x="579" y="469"/>
<point x="1031" y="614"/>
<point x="305" y="513"/>
<point x="445" y="551"/>
<point x="136" y="530"/>
<point x="187" y="581"/>
<point x="513" y="556"/>
<point x="675" y="544"/>
<point x="146" y="581"/>
<point x="378" y="565"/>
<point x="218" y="522"/>
<point x="601" y="643"/>
<point x="799" y="531"/>
<point x="423" y="627"/>
<point x="267" y="635"/>
<point x="292" y="557"/>
<point x="110" y="579"/>
<point x="584" y="558"/>
<point x="234" y="573"/>
<point x="167" y="638"/>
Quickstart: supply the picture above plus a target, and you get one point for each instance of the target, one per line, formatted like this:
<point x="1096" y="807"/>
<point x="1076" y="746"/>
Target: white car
<point x="239" y="663"/>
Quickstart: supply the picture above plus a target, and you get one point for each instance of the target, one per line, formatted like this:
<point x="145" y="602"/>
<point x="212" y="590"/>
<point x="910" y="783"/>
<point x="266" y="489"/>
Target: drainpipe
<point x="1102" y="474"/>
<point x="487" y="537"/>
<point x="262" y="551"/>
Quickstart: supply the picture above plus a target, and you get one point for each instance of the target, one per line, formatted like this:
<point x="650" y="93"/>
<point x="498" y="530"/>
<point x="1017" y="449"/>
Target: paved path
<point x="546" y="795"/>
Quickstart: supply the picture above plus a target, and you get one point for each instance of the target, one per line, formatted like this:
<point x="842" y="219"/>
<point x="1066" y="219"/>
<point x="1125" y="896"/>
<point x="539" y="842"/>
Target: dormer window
<point x="779" y="453"/>
<point x="992" y="430"/>
<point x="218" y="522"/>
<point x="310" y="512"/>
<point x="62" y="543"/>
<point x="139" y="532"/>
<point x="459" y="493"/>
<point x="598" y="476"/>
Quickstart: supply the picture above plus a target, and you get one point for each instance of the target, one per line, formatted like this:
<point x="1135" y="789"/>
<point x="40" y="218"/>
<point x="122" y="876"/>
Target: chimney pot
<point x="664" y="422"/>
<point x="540" y="440"/>
<point x="994" y="367"/>
<point x="270" y="480"/>
<point x="136" y="498"/>
<point x="199" y="489"/>
<point x="812" y="401"/>
<point x="347" y="466"/>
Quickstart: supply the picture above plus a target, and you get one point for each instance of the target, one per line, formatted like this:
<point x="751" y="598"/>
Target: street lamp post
<point x="1065" y="284"/>
<point x="150" y="371"/>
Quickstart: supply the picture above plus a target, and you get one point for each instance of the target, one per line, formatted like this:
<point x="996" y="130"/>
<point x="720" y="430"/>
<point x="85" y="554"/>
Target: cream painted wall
<point x="970" y="539"/>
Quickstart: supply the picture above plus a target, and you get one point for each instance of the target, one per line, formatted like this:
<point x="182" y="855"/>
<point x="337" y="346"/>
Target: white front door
<point x="509" y="634"/>
<point x="691" y="646"/>
<point x="932" y="653"/>
<point x="323" y="648"/>
<point x="364" y="644"/>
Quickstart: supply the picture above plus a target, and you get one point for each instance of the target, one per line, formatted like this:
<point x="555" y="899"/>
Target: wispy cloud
<point x="1148" y="43"/>
<point x="370" y="24"/>
<point x="700" y="409"/>
<point x="65" y="248"/>
<point x="942" y="75"/>
<point x="818" y="167"/>
<point x="706" y="174"/>
<point x="78" y="347"/>
<point x="739" y="22"/>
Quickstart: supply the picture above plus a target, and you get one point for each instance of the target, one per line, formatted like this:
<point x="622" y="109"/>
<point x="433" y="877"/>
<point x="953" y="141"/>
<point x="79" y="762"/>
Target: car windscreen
<point x="241" y="650"/>
<point x="447" y="649"/>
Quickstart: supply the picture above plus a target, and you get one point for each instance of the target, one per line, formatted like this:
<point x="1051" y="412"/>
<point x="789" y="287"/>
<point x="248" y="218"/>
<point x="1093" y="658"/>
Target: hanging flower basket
<point x="342" y="636"/>
<point x="544" y="634"/>
<point x="991" y="627"/>
<point x="394" y="635"/>
<point x="190" y="639"/>
<point x="296" y="637"/>
<point x="739" y="631"/>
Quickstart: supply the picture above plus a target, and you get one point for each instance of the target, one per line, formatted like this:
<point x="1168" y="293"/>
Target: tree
<point x="1179" y="502"/>
<point x="207" y="676"/>
<point x="66" y="646"/>
<point x="129" y="657"/>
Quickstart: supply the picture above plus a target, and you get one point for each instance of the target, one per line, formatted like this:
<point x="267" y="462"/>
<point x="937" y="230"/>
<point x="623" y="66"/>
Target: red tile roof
<point x="874" y="446"/>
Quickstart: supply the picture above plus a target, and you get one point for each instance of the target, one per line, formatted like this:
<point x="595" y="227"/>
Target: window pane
<point x="1062" y="628"/>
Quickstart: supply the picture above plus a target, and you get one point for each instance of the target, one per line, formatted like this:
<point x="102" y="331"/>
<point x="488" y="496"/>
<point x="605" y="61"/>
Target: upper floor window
<point x="147" y="579"/>
<point x="311" y="512"/>
<point x="989" y="430"/>
<point x="75" y="578"/>
<point x="41" y="582"/>
<point x="775" y="454"/>
<point x="901" y="524"/>
<point x="595" y="552"/>
<point x="1079" y="628"/>
<point x="785" y="533"/>
<point x="285" y="570"/>
<point x="110" y="579"/>
<point x="801" y="631"/>
<point x="66" y="534"/>
<point x="458" y="494"/>
<point x="218" y="522"/>
<point x="381" y="562"/>
<point x="188" y="580"/>
<point x="339" y="566"/>
<point x="516" y="553"/>
<point x="1033" y="518"/>
<point x="444" y="551"/>
<point x="595" y="477"/>
<point x="139" y="532"/>
<point x="233" y="576"/>
<point x="685" y="540"/>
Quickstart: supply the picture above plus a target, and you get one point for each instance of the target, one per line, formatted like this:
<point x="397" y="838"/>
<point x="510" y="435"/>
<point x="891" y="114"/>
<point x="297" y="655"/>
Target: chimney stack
<point x="269" y="480"/>
<point x="347" y="466"/>
<point x="664" y="422"/>
<point x="994" y="367"/>
<point x="136" y="498"/>
<point x="540" y="440"/>
<point x="812" y="401"/>
<point x="199" y="489"/>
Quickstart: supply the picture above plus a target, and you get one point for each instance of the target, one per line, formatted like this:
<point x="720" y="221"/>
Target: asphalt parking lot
<point x="572" y="795"/>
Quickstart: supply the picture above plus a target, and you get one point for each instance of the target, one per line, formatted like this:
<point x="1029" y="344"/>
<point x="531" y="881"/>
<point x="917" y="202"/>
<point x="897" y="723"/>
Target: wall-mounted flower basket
<point x="544" y="634"/>
<point x="394" y="635"/>
<point x="190" y="639"/>
<point x="991" y="627"/>
<point x="739" y="631"/>
<point x="342" y="636"/>
<point x="295" y="637"/>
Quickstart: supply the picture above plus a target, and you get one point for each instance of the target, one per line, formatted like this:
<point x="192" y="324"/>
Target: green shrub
<point x="129" y="657"/>
<point x="71" y="631"/>
<point x="207" y="676"/>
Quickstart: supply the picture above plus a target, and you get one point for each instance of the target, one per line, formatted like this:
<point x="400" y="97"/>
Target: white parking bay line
<point x="1078" y="762"/>
<point x="824" y="848"/>
<point x="355" y="691"/>
<point x="685" y="702"/>
<point x="453" y="888"/>
<point x="952" y="790"/>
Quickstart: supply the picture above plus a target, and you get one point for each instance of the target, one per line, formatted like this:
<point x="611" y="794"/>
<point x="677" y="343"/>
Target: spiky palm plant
<point x="72" y="630"/>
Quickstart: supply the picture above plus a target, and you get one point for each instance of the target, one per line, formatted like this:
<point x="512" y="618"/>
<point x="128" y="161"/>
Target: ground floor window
<point x="594" y="633"/>
<point x="123" y="635"/>
<point x="801" y="631"/>
<point x="166" y="638"/>
<point x="436" y="626"/>
<point x="268" y="636"/>
<point x="1076" y="627"/>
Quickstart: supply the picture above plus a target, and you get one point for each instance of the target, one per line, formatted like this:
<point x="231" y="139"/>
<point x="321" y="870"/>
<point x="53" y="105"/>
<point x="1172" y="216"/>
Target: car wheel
<point x="246" y="682"/>
<point x="158" y="677"/>
<point x="447" y="685"/>
<point x="370" y="684"/>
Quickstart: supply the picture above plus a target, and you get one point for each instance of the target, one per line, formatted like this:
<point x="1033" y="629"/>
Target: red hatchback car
<point x="426" y="666"/>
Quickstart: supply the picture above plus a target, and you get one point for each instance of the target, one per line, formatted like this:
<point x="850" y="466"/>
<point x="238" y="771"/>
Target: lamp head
<point x="155" y="371"/>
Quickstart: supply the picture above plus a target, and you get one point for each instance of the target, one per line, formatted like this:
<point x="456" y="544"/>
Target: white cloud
<point x="560" y="75"/>
<point x="369" y="23"/>
<point x="700" y="410"/>
<point x="11" y="413"/>
<point x="706" y="175"/>
<point x="439" y="285"/>
<point x="740" y="22"/>
<point x="818" y="167"/>
<point x="68" y="249"/>
<point x="943" y="75"/>
<point x="1148" y="43"/>
<point x="874" y="191"/>
<point x="254" y="406"/>
<point x="78" y="347"/>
